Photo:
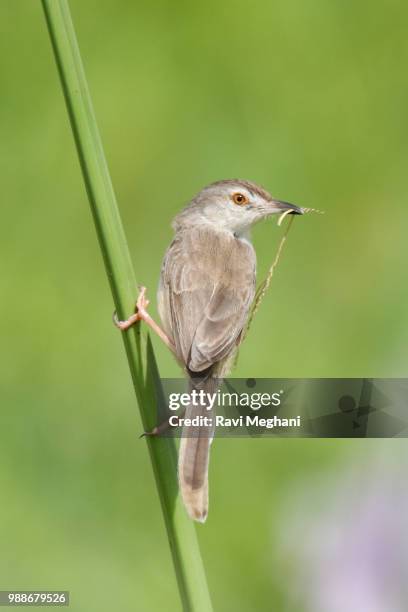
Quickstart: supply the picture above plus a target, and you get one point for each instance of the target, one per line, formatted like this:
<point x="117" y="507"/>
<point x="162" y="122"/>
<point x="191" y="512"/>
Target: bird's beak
<point x="281" y="207"/>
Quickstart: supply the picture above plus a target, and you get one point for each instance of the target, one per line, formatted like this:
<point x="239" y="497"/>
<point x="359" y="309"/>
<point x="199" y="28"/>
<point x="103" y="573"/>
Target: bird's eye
<point x="240" y="199"/>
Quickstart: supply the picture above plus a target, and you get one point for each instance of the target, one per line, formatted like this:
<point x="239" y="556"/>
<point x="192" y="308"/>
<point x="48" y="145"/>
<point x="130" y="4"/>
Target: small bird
<point x="206" y="289"/>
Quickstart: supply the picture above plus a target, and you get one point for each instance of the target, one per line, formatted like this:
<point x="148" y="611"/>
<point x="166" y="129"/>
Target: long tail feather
<point x="194" y="455"/>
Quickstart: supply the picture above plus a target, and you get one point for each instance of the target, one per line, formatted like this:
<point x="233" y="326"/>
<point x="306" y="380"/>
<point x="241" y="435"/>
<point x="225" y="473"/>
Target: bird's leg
<point x="141" y="314"/>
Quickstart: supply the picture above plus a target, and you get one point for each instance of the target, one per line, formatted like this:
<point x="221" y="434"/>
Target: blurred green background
<point x="309" y="100"/>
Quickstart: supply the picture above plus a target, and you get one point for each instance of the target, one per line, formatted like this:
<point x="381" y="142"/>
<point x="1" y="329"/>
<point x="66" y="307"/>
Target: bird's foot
<point x="163" y="427"/>
<point x="140" y="314"/>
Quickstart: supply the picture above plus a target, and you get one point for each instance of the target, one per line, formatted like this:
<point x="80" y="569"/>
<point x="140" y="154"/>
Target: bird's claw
<point x="141" y="306"/>
<point x="142" y="301"/>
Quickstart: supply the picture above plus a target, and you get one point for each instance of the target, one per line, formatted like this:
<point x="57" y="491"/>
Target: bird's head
<point x="233" y="205"/>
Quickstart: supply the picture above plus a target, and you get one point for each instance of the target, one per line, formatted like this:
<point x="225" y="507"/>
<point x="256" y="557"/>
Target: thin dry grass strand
<point x="283" y="215"/>
<point x="315" y="210"/>
<point x="264" y="286"/>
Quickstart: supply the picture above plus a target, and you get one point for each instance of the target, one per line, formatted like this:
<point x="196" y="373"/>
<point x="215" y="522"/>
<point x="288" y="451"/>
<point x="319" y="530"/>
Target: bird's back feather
<point x="206" y="289"/>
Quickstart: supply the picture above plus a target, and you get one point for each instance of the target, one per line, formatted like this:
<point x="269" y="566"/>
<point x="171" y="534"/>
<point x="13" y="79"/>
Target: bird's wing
<point x="207" y="287"/>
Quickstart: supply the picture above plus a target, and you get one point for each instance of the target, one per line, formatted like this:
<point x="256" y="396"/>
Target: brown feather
<point x="207" y="287"/>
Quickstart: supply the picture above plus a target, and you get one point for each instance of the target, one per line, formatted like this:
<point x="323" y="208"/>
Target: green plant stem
<point x="180" y="530"/>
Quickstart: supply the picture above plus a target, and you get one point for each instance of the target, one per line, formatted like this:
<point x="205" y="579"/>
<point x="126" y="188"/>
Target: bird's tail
<point x="195" y="450"/>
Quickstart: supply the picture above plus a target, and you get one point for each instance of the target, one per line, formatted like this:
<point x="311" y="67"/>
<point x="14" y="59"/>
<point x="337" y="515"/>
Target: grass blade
<point x="181" y="531"/>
